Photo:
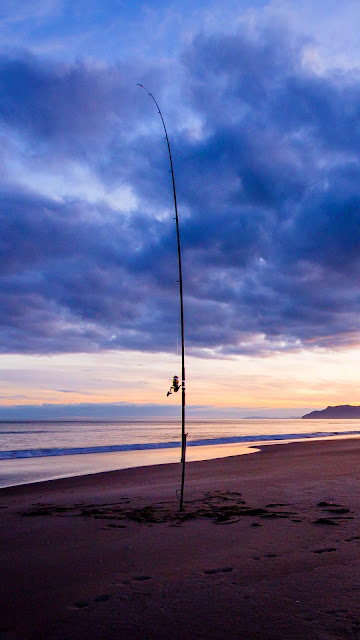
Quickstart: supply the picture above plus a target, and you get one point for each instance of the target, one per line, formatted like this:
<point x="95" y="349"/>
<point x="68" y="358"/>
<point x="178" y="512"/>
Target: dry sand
<point x="267" y="548"/>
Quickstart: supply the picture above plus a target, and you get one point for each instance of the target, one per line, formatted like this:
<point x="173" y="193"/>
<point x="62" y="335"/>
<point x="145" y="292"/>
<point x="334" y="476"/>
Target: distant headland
<point x="341" y="411"/>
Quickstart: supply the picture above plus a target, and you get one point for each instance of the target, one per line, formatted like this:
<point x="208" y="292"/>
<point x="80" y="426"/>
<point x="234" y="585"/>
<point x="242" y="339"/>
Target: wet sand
<point x="268" y="548"/>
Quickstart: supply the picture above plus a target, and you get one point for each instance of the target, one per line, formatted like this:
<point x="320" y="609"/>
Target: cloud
<point x="123" y="410"/>
<point x="71" y="107"/>
<point x="267" y="190"/>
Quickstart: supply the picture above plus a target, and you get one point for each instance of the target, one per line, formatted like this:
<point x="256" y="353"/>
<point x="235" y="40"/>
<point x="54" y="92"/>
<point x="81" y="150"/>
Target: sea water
<point x="34" y="451"/>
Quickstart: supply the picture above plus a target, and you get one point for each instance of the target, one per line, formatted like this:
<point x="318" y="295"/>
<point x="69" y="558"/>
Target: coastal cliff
<point x="341" y="411"/>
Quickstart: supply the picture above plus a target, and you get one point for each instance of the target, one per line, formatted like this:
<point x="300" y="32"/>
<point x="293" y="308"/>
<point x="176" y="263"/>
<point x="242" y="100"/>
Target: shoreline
<point x="266" y="549"/>
<point x="107" y="462"/>
<point x="25" y="471"/>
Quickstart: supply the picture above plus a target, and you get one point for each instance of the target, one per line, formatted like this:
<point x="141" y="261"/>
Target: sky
<point x="261" y="103"/>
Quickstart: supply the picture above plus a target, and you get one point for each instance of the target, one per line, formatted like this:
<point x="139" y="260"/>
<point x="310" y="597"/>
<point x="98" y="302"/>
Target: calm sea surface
<point x="33" y="451"/>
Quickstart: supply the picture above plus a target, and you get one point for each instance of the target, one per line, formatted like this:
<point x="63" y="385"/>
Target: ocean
<point x="35" y="451"/>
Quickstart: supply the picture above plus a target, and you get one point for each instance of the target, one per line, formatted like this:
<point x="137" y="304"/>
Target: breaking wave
<point x="43" y="453"/>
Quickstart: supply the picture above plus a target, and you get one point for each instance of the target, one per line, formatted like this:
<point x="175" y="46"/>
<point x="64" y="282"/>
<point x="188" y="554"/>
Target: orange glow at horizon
<point x="294" y="380"/>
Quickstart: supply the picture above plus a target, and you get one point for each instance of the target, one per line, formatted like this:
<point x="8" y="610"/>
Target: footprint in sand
<point x="142" y="578"/>
<point x="327" y="504"/>
<point x="277" y="504"/>
<point x="209" y="572"/>
<point x="82" y="604"/>
<point x="340" y="510"/>
<point x="328" y="550"/>
<point x="325" y="521"/>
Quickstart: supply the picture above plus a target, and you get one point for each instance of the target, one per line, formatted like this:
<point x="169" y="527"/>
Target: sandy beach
<point x="267" y="548"/>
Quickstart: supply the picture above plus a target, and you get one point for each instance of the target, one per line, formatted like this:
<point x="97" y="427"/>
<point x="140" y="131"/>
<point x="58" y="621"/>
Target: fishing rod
<point x="183" y="434"/>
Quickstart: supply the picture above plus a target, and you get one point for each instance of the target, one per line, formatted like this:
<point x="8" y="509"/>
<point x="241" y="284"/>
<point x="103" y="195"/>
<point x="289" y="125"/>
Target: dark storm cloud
<point x="68" y="281"/>
<point x="266" y="158"/>
<point x="75" y="105"/>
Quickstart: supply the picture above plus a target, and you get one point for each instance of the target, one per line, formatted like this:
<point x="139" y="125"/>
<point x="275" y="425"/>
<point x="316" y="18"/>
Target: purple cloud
<point x="267" y="189"/>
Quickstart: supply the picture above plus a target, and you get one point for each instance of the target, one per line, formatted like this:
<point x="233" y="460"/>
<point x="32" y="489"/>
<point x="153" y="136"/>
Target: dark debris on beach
<point x="220" y="507"/>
